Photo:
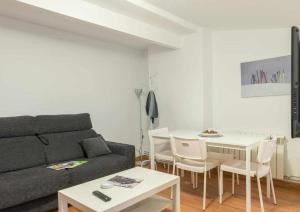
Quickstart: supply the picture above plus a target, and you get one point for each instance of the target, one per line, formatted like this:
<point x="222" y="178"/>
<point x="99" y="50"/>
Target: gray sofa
<point x="29" y="144"/>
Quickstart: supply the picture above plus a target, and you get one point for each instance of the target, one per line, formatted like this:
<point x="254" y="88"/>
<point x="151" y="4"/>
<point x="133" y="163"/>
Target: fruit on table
<point x="210" y="131"/>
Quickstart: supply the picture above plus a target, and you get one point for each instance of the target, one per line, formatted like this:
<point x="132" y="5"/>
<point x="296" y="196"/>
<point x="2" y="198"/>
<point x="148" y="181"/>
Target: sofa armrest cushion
<point x="123" y="149"/>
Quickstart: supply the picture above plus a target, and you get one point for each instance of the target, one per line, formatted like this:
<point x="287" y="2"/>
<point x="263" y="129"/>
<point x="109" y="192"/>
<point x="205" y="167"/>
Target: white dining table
<point x="230" y="140"/>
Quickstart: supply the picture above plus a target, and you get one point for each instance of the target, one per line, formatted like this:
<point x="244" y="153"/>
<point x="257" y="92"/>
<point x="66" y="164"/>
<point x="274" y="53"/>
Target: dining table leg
<point x="152" y="160"/>
<point x="248" y="179"/>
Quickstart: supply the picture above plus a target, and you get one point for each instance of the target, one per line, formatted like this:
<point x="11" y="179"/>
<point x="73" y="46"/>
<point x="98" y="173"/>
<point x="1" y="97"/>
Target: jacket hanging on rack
<point x="151" y="106"/>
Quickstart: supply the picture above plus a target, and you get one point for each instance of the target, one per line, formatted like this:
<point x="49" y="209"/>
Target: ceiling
<point x="235" y="14"/>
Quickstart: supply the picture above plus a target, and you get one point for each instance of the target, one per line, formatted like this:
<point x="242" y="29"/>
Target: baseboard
<point x="142" y="157"/>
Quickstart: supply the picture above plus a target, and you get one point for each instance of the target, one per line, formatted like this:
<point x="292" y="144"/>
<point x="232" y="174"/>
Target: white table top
<point x="153" y="182"/>
<point x="227" y="138"/>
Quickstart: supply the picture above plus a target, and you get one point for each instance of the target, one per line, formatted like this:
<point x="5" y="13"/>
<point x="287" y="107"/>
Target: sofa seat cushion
<point x="98" y="167"/>
<point x="66" y="146"/>
<point x="44" y="204"/>
<point x="20" y="152"/>
<point x="29" y="184"/>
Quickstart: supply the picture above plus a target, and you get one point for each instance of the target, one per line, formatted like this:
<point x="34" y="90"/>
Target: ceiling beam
<point x="100" y="18"/>
<point x="190" y="27"/>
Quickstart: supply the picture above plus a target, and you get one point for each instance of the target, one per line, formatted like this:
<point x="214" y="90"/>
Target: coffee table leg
<point x="176" y="197"/>
<point x="62" y="204"/>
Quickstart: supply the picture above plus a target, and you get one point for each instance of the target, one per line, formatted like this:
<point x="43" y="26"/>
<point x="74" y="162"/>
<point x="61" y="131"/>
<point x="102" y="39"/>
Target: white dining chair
<point x="191" y="155"/>
<point x="222" y="158"/>
<point x="260" y="169"/>
<point x="161" y="148"/>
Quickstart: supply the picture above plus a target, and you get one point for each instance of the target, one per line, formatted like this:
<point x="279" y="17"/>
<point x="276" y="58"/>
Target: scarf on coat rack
<point x="151" y="106"/>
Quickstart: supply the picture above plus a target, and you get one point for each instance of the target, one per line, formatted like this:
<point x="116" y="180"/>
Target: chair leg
<point x="218" y="169"/>
<point x="268" y="186"/>
<point x="260" y="195"/>
<point x="192" y="179"/>
<point x="237" y="179"/>
<point x="177" y="171"/>
<point x="204" y="192"/>
<point x="196" y="179"/>
<point x="182" y="173"/>
<point x="168" y="167"/>
<point x="174" y="166"/>
<point x="232" y="184"/>
<point x="272" y="187"/>
<point x="221" y="187"/>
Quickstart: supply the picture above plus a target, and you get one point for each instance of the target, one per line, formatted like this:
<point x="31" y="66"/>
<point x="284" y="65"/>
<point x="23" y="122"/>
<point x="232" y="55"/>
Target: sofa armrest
<point x="123" y="149"/>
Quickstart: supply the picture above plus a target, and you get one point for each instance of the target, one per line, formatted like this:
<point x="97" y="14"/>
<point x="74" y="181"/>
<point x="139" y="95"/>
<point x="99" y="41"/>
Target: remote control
<point x="101" y="196"/>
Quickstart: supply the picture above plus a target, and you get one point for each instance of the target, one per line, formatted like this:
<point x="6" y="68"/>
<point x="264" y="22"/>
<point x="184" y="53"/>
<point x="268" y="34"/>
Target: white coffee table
<point x="140" y="198"/>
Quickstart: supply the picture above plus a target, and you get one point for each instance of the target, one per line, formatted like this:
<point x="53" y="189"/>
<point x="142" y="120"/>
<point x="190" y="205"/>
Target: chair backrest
<point x="159" y="144"/>
<point x="194" y="149"/>
<point x="158" y="131"/>
<point x="266" y="150"/>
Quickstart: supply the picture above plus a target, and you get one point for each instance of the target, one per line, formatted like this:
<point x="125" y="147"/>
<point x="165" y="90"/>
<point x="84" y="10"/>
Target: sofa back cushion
<point x="66" y="146"/>
<point x="20" y="152"/>
<point x="63" y="123"/>
<point x="17" y="126"/>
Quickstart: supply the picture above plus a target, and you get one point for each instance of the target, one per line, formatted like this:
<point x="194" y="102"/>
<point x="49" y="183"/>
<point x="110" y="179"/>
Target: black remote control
<point x="101" y="196"/>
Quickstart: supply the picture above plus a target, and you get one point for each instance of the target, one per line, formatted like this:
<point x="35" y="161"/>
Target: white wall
<point x="265" y="114"/>
<point x="177" y="80"/>
<point x="207" y="102"/>
<point x="43" y="71"/>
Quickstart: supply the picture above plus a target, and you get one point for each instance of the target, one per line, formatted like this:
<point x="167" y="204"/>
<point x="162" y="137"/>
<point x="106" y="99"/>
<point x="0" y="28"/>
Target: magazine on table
<point x="67" y="165"/>
<point x="125" y="181"/>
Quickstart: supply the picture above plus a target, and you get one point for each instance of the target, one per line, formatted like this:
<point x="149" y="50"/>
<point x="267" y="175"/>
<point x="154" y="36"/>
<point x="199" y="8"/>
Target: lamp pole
<point x="138" y="93"/>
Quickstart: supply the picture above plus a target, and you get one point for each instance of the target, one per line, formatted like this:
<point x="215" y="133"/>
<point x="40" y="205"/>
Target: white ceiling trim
<point x="164" y="14"/>
<point x="97" y="19"/>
